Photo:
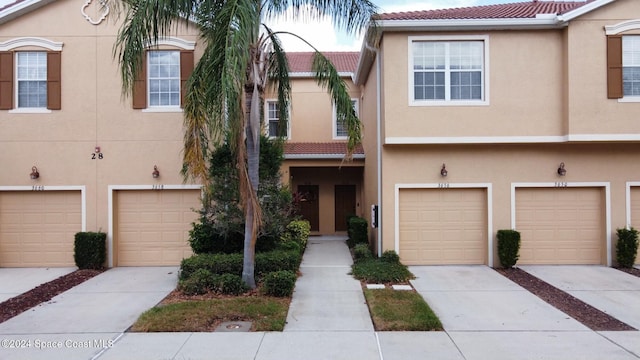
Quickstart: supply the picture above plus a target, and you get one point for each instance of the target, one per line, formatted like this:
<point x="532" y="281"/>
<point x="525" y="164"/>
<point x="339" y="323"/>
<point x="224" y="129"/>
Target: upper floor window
<point x="272" y="119"/>
<point x="164" y="78"/>
<point x="31" y="76"/>
<point x="631" y="65"/>
<point x="448" y="70"/>
<point x="30" y="80"/>
<point x="341" y="131"/>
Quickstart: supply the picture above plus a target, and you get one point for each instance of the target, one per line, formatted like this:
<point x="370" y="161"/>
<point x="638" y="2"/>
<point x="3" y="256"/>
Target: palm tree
<point x="242" y="58"/>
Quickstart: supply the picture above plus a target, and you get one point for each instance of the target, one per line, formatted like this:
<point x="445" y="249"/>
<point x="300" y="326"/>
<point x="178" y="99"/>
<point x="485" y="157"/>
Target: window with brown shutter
<point x="53" y="81"/>
<point x="140" y="87"/>
<point x="6" y="80"/>
<point x="614" y="67"/>
<point x="186" y="68"/>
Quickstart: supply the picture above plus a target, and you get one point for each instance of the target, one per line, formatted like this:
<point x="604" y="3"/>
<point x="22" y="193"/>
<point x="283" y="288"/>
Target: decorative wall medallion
<point x="102" y="10"/>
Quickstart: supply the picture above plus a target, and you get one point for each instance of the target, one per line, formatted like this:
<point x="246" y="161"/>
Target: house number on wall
<point x="561" y="185"/>
<point x="37" y="188"/>
<point x="98" y="156"/>
<point x="158" y="187"/>
<point x="443" y="185"/>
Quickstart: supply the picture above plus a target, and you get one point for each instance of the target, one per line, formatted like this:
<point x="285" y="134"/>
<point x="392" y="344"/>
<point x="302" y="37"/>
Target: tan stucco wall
<point x="501" y="166"/>
<point x="94" y="113"/>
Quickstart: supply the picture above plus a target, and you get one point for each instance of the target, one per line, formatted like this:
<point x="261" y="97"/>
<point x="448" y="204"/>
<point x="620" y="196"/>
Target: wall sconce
<point x="34" y="173"/>
<point x="156" y="172"/>
<point x="444" y="171"/>
<point x="96" y="149"/>
<point x="561" y="170"/>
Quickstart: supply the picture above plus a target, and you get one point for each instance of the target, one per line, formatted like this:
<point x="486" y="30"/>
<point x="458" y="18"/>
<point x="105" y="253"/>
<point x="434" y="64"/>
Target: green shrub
<point x="229" y="284"/>
<point x="204" y="239"/>
<point x="215" y="263"/>
<point x="627" y="247"/>
<point x="508" y="247"/>
<point x="298" y="231"/>
<point x="390" y="256"/>
<point x="290" y="245"/>
<point x="89" y="250"/>
<point x="357" y="231"/>
<point x="279" y="283"/>
<point x="200" y="282"/>
<point x="277" y="260"/>
<point x="378" y="271"/>
<point x="362" y="252"/>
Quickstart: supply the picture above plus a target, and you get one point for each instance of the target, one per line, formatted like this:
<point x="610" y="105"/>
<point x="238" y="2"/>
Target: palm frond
<point x="278" y="75"/>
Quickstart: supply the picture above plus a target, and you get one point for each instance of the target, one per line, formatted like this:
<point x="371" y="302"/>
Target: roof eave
<point x="473" y="24"/>
<point x="321" y="156"/>
<point x="16" y="10"/>
<point x="304" y="75"/>
<point x="570" y="15"/>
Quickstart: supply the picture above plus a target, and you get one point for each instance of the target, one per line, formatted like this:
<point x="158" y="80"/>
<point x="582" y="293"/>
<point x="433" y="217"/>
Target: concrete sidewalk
<point x="326" y="297"/>
<point x="609" y="290"/>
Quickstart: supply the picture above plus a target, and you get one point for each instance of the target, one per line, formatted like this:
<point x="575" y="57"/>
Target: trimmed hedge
<point x="89" y="250"/>
<point x="627" y="247"/>
<point x="362" y="252"/>
<point x="298" y="231"/>
<point x="508" y="247"/>
<point x="219" y="264"/>
<point x="280" y="283"/>
<point x="203" y="281"/>
<point x="357" y="231"/>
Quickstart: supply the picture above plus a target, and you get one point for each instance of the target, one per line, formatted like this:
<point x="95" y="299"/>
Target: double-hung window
<point x="164" y="78"/>
<point x="341" y="131"/>
<point x="31" y="78"/>
<point x="448" y="70"/>
<point x="631" y="65"/>
<point x="273" y="121"/>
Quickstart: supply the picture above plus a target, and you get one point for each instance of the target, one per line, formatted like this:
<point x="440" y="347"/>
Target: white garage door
<point x="37" y="229"/>
<point x="152" y="227"/>
<point x="561" y="225"/>
<point x="443" y="226"/>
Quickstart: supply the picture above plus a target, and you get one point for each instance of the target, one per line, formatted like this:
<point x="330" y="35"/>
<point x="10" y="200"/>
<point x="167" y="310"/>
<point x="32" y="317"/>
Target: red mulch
<point x="43" y="293"/>
<point x="586" y="314"/>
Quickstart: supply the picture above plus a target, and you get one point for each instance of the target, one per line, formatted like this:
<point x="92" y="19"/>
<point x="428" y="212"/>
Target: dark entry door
<point x="309" y="205"/>
<point x="345" y="200"/>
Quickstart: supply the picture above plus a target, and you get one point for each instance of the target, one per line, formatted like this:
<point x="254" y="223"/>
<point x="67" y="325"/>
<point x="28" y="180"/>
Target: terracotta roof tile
<point x="498" y="11"/>
<point x="300" y="62"/>
<point x="318" y="148"/>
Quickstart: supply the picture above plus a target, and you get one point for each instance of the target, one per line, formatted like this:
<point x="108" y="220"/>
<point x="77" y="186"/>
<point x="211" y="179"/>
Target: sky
<point x="323" y="36"/>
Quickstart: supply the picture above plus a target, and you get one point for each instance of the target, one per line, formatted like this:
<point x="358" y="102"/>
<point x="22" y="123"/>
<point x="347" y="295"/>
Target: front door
<point x="309" y="205"/>
<point x="345" y="205"/>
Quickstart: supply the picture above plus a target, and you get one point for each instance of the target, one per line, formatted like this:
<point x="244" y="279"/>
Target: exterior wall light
<point x="34" y="173"/>
<point x="156" y="172"/>
<point x="561" y="170"/>
<point x="444" y="171"/>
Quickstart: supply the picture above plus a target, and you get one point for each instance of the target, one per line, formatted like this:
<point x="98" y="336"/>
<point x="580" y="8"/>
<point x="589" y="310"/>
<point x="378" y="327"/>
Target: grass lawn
<point x="394" y="310"/>
<point x="266" y="313"/>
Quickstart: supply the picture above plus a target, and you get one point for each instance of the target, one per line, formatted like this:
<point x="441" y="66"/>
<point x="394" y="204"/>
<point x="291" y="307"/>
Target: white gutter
<point x="14" y="11"/>
<point x="545" y="22"/>
<point x="301" y="75"/>
<point x="321" y="156"/>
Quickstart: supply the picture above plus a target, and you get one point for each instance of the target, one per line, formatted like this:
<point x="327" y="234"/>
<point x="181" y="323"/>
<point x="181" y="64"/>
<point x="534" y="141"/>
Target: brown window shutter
<point x="54" y="76"/>
<point x="186" y="68"/>
<point x="6" y="80"/>
<point x="140" y="87"/>
<point x="614" y="67"/>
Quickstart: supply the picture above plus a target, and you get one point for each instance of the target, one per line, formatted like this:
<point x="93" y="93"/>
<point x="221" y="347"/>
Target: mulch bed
<point x="589" y="316"/>
<point x="632" y="271"/>
<point x="43" y="293"/>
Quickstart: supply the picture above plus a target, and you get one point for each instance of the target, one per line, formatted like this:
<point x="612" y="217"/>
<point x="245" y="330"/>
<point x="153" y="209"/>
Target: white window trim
<point x="25" y="109"/>
<point x="30" y="41"/>
<point x="617" y="29"/>
<point x="266" y="119"/>
<point x="162" y="108"/>
<point x="335" y="119"/>
<point x="485" y="70"/>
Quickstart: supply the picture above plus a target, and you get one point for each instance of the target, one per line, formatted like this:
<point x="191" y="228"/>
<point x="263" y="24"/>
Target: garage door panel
<point x="153" y="226"/>
<point x="561" y="226"/>
<point x="451" y="227"/>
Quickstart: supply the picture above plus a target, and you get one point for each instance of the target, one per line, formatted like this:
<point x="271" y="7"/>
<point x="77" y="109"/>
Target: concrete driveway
<point x="16" y="281"/>
<point x="107" y="303"/>
<point x="609" y="290"/>
<point x="477" y="298"/>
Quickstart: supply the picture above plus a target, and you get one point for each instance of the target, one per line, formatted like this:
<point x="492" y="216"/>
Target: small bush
<point x="290" y="245"/>
<point x="229" y="284"/>
<point x="200" y="282"/>
<point x="508" y="247"/>
<point x="215" y="263"/>
<point x="390" y="256"/>
<point x="362" y="252"/>
<point x="279" y="283"/>
<point x="627" y="247"/>
<point x="357" y="231"/>
<point x="277" y="260"/>
<point x="89" y="250"/>
<point x="204" y="239"/>
<point x="298" y="231"/>
<point x="378" y="271"/>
